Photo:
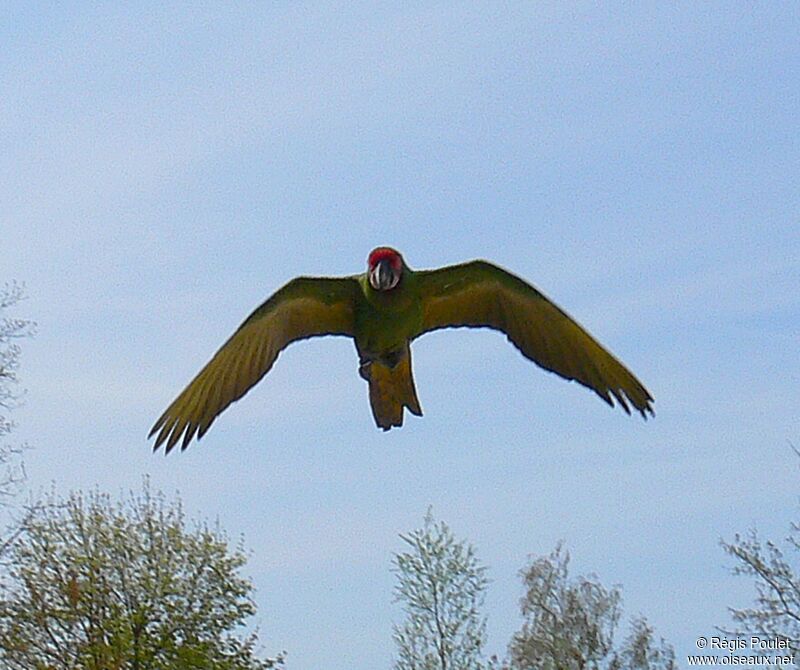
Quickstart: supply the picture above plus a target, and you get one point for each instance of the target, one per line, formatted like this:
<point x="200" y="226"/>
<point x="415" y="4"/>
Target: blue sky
<point x="164" y="169"/>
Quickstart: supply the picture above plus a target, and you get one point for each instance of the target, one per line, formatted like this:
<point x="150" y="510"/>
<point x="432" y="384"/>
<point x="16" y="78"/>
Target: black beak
<point x="382" y="276"/>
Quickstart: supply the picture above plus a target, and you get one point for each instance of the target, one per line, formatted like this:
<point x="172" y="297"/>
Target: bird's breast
<point x="386" y="328"/>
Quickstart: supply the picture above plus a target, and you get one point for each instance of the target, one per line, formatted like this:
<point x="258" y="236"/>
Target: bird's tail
<point x="390" y="390"/>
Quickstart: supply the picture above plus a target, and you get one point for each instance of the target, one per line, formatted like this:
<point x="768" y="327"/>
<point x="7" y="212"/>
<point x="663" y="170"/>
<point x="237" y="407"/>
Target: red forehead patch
<point x="384" y="252"/>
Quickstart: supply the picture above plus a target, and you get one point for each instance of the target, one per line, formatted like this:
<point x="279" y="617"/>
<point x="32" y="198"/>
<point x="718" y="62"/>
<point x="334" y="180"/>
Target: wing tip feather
<point x="173" y="431"/>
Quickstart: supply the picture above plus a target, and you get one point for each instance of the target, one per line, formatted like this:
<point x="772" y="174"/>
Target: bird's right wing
<point x="305" y="307"/>
<point x="479" y="294"/>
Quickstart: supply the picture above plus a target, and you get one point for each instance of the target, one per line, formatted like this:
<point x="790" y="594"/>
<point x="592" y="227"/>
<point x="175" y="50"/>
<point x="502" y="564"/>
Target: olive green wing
<point x="479" y="294"/>
<point x="305" y="307"/>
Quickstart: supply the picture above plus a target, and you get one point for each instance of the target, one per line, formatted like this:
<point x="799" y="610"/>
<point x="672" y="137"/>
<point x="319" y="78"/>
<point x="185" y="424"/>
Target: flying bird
<point x="384" y="310"/>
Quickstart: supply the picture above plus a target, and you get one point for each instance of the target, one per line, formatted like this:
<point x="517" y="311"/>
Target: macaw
<point x="384" y="310"/>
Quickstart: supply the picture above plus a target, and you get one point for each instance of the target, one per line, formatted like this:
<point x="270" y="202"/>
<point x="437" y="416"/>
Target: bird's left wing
<point x="478" y="294"/>
<point x="305" y="307"/>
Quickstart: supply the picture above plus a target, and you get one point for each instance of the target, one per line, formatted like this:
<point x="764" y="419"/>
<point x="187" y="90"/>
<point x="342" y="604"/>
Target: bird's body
<point x="384" y="310"/>
<point x="386" y="321"/>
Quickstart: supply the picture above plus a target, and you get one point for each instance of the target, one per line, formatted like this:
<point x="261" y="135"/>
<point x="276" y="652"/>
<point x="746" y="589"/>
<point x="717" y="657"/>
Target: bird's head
<point x="384" y="268"/>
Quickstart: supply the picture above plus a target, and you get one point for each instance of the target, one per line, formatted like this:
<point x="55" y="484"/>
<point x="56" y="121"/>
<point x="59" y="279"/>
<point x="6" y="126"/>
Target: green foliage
<point x="441" y="585"/>
<point x="641" y="650"/>
<point x="94" y="584"/>
<point x="570" y="624"/>
<point x="567" y="624"/>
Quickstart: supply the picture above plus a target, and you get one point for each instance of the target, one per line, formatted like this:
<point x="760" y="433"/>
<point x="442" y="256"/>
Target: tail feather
<point x="390" y="390"/>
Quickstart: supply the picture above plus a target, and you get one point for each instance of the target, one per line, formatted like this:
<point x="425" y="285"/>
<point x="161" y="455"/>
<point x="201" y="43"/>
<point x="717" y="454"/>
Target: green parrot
<point x="383" y="310"/>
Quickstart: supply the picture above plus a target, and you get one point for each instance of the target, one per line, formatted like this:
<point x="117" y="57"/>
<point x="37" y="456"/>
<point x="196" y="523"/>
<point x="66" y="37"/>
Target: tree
<point x="570" y="624"/>
<point x="641" y="650"/>
<point x="776" y="613"/>
<point x="94" y="584"/>
<point x="12" y="472"/>
<point x="11" y="330"/>
<point x="441" y="585"/>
